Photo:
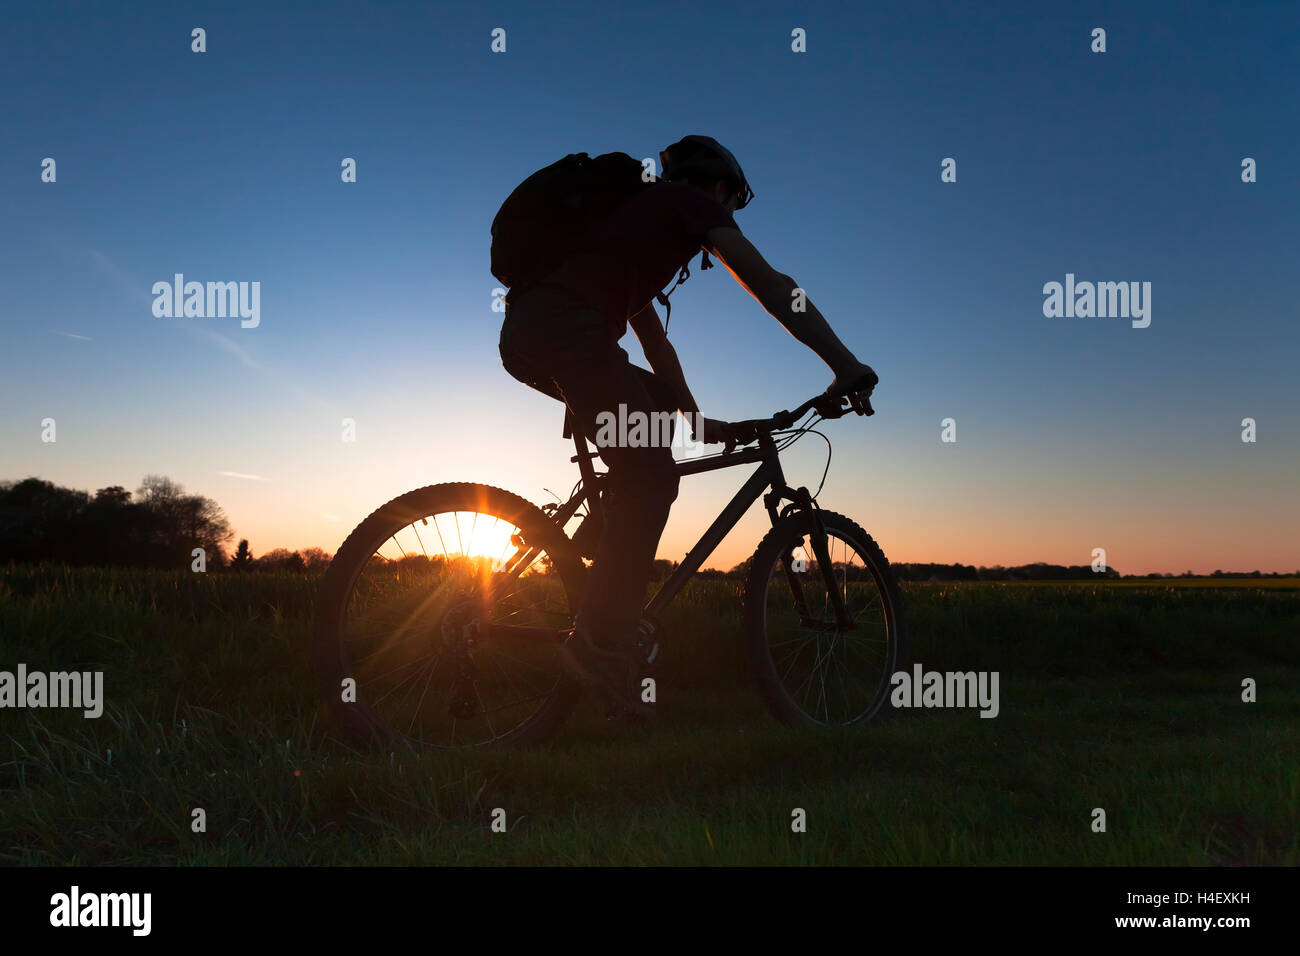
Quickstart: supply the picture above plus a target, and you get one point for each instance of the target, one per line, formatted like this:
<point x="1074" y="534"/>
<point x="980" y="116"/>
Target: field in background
<point x="1123" y="695"/>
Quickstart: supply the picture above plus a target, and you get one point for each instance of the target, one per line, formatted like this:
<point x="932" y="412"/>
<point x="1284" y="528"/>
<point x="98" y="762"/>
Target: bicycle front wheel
<point x="812" y="668"/>
<point x="439" y="621"/>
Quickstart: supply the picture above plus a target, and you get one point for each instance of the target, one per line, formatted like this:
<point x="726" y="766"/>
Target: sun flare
<point x="452" y="535"/>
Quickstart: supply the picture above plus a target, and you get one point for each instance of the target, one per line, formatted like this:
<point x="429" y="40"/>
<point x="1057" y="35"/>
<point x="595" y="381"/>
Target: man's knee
<point x="650" y="479"/>
<point x="660" y="480"/>
<point x="666" y="484"/>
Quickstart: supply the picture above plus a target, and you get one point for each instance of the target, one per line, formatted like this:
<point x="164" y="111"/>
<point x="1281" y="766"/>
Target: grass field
<point x="1121" y="696"/>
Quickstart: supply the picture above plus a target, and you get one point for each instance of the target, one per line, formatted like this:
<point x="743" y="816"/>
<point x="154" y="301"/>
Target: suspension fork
<point x="805" y="501"/>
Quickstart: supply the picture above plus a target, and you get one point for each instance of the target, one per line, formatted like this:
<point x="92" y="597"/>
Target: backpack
<point x="548" y="215"/>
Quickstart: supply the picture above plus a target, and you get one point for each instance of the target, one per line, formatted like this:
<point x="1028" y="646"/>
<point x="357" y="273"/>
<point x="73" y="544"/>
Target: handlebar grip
<point x="837" y="406"/>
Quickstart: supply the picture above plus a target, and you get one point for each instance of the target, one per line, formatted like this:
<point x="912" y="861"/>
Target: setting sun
<point x="452" y="534"/>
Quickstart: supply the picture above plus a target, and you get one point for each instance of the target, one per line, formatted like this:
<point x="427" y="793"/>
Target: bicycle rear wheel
<point x="812" y="669"/>
<point x="439" y="620"/>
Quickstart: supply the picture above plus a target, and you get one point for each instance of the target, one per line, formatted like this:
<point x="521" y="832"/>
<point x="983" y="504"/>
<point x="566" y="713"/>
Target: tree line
<point x="157" y="526"/>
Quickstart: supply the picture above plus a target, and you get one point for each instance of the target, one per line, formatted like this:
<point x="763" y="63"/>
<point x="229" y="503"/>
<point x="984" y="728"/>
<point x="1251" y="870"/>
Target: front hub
<point x="461" y="632"/>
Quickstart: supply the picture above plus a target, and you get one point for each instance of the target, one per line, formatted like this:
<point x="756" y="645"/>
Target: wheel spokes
<point x="417" y="630"/>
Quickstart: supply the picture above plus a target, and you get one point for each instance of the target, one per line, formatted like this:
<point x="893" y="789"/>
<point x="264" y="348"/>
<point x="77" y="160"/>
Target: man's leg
<point x="568" y="351"/>
<point x="641" y="485"/>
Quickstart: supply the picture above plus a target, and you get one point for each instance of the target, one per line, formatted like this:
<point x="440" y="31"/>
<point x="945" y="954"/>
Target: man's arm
<point x="661" y="355"/>
<point x="775" y="293"/>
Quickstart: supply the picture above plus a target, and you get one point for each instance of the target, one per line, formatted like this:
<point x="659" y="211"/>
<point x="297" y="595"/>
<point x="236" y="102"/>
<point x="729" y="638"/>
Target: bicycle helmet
<point x="701" y="158"/>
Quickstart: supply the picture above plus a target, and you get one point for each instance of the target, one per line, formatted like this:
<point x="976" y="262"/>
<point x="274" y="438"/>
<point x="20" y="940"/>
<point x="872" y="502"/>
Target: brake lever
<point x="741" y="434"/>
<point x="829" y="406"/>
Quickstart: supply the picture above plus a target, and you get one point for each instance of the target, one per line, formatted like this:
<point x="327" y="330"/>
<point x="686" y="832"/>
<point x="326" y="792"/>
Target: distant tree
<point x="280" y="559"/>
<point x="315" y="559"/>
<point x="38" y="522"/>
<point x="113" y="496"/>
<point x="661" y="568"/>
<point x="204" y="525"/>
<point x="181" y="522"/>
<point x="116" y="529"/>
<point x="243" y="559"/>
<point x="159" y="492"/>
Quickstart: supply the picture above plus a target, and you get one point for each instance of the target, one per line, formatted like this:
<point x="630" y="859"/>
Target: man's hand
<point x="857" y="383"/>
<point x="856" y="378"/>
<point x="714" y="432"/>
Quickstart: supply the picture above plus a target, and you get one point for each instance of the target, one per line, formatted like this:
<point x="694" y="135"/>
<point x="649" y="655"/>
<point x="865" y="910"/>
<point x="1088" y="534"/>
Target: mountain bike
<point x="439" y="619"/>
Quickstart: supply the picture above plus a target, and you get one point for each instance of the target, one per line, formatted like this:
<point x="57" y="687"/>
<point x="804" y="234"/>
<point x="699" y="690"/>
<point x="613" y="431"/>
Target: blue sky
<point x="376" y="296"/>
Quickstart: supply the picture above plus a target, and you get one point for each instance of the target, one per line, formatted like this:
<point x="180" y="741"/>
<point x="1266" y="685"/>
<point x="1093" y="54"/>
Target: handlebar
<point x="825" y="404"/>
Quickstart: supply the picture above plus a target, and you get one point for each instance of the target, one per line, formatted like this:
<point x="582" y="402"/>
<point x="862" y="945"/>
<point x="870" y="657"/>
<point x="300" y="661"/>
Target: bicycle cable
<point x="805" y="429"/>
<point x="792" y="435"/>
<point x="827" y="470"/>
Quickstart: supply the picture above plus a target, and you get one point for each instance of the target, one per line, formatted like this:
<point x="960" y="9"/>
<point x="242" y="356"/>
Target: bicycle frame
<point x="768" y="475"/>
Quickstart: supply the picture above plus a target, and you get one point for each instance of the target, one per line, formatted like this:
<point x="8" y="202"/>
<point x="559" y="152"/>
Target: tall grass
<point x="1121" y="697"/>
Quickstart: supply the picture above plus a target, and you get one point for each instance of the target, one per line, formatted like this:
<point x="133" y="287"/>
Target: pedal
<point x="647" y="639"/>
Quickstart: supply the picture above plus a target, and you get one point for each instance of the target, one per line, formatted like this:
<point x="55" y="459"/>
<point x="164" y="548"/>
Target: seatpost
<point x="584" y="454"/>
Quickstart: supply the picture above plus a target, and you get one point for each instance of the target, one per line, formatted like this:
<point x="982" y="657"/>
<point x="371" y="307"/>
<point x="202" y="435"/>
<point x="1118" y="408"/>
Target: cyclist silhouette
<point x="561" y="334"/>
